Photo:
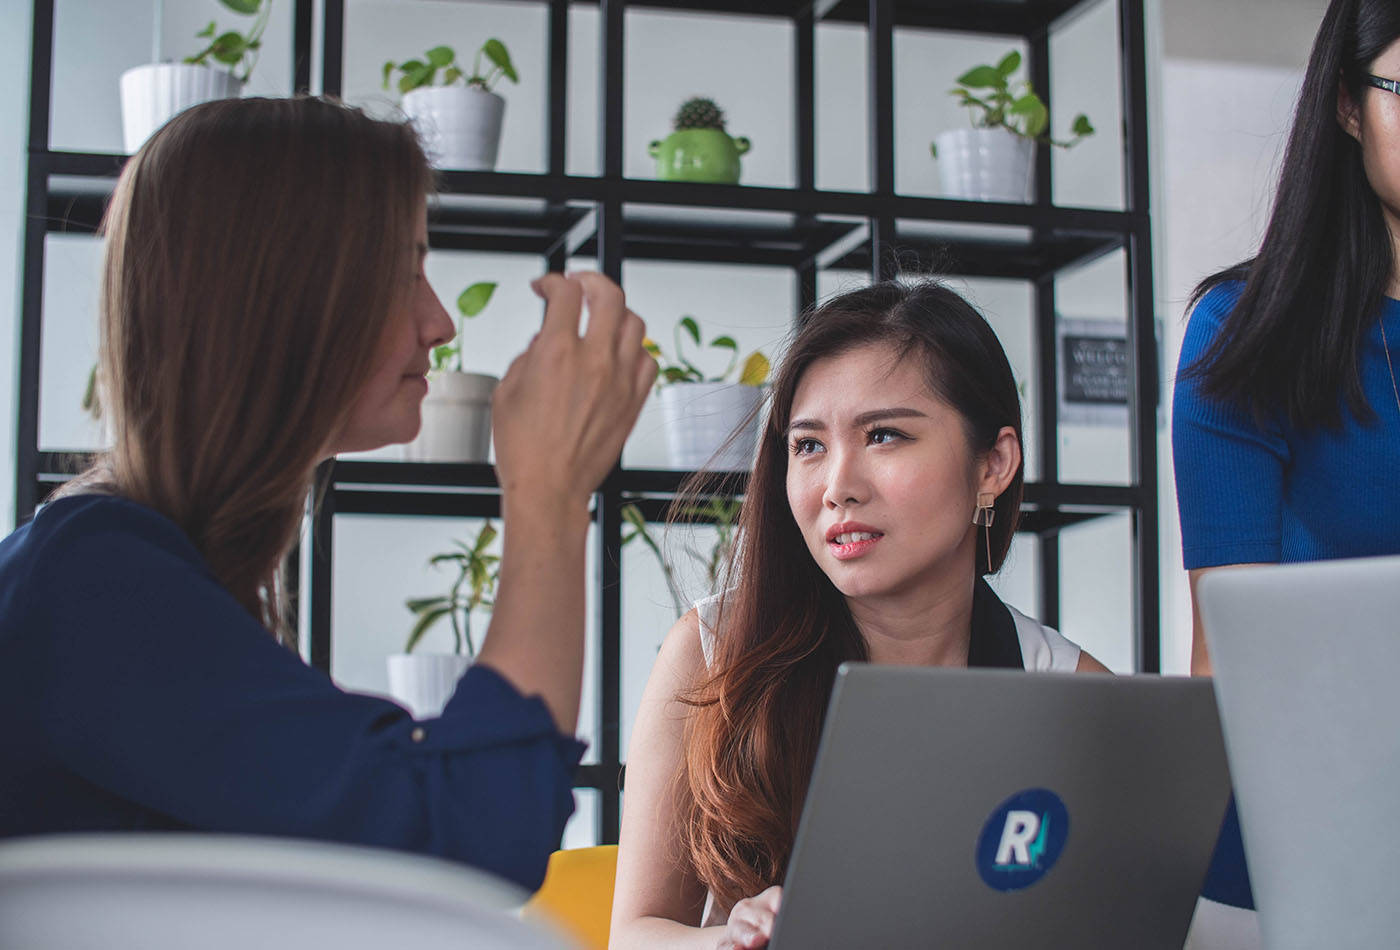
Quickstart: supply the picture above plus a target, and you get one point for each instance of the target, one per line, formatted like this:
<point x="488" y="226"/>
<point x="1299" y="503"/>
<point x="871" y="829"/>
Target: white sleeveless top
<point x="1043" y="649"/>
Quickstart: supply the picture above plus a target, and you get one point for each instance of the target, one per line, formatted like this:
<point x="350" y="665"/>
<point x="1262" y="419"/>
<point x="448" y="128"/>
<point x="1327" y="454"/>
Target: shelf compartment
<point x="522" y="225"/>
<point x="986" y="250"/>
<point x="764" y="238"/>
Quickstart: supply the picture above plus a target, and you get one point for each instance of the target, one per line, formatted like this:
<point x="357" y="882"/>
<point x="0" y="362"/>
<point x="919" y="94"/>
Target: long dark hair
<point x="255" y="250"/>
<point x="751" y="739"/>
<point x="1292" y="343"/>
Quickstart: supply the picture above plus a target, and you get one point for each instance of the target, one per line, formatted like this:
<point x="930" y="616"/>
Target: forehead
<point x="1387" y="64"/>
<point x="857" y="379"/>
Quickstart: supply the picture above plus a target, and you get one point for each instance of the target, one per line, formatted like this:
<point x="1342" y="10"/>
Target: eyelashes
<point x="879" y="435"/>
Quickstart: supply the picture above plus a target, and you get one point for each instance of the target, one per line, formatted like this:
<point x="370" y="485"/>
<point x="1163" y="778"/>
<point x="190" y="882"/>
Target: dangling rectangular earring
<point x="983" y="516"/>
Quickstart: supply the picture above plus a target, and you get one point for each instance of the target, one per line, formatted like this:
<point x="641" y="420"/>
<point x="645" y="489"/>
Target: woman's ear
<point x="1001" y="463"/>
<point x="1348" y="112"/>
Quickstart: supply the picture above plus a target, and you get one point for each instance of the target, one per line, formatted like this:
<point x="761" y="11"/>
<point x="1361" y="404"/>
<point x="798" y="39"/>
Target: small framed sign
<point x="1094" y="376"/>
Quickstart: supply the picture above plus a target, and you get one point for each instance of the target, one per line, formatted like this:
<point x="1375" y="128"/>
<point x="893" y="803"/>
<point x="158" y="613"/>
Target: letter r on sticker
<point x="1016" y="836"/>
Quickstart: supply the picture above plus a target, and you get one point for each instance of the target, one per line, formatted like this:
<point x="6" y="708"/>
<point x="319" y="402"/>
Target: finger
<point x="563" y="303"/>
<point x="646" y="370"/>
<point x="629" y="339"/>
<point x="607" y="305"/>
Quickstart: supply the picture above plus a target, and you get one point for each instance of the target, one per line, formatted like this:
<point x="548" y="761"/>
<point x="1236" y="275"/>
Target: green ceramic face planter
<point x="699" y="149"/>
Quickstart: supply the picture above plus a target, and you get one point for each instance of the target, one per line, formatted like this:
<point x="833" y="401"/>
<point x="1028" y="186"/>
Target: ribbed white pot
<point x="456" y="419"/>
<point x="985" y="164"/>
<point x="700" y="418"/>
<point x="460" y="126"/>
<point x="424" y="682"/>
<point x="152" y="94"/>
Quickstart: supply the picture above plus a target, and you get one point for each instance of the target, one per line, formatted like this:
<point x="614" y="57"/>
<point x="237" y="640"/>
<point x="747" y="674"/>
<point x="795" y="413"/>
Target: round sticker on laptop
<point x="1022" y="839"/>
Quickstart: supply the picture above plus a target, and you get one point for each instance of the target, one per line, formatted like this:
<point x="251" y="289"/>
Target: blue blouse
<point x="137" y="694"/>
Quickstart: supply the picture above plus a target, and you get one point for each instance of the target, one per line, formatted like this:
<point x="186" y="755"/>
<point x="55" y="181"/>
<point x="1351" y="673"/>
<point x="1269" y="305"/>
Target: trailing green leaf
<point x="231" y="48"/>
<point x="982" y="77"/>
<point x="474" y="299"/>
<point x="996" y="101"/>
<point x="496" y="51"/>
<point x="472" y="588"/>
<point x="682" y="370"/>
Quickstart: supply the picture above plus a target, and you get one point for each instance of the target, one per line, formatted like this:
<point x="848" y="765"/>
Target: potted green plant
<point x="699" y="149"/>
<point x="456" y="112"/>
<point x="457" y="410"/>
<point x="711" y="419"/>
<point x="424" y="681"/>
<point x="991" y="161"/>
<point x="153" y="93"/>
<point x="720" y="511"/>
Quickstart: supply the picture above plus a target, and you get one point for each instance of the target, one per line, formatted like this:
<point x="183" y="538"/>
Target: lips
<point x="851" y="539"/>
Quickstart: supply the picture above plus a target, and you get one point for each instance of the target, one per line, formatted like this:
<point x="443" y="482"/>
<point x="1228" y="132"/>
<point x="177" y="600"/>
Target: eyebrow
<point x="864" y="419"/>
<point x="422" y="250"/>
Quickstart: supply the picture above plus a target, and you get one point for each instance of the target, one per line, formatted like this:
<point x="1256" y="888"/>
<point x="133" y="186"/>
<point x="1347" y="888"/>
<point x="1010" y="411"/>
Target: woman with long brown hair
<point x="264" y="308"/>
<point x="888" y="481"/>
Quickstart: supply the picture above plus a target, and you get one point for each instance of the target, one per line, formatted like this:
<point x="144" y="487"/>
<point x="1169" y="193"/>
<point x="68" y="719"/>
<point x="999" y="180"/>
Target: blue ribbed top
<point x="1250" y="494"/>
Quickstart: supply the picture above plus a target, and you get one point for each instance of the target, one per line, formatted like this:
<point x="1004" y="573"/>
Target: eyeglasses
<point x="1389" y="85"/>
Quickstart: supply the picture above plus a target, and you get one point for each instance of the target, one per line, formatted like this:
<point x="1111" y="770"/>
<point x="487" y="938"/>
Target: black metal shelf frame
<point x="612" y="219"/>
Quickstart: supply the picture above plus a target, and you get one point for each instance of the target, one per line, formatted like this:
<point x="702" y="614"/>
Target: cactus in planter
<point x="699" y="113"/>
<point x="699" y="149"/>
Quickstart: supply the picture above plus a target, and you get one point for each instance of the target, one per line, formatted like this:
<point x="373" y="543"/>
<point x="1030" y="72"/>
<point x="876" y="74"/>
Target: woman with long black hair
<point x="1286" y="422"/>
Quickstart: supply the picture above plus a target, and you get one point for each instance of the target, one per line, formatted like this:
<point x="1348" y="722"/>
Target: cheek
<point x="1381" y="155"/>
<point x="804" y="498"/>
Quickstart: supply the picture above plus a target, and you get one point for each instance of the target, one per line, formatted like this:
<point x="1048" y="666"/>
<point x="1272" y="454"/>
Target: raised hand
<point x="568" y="402"/>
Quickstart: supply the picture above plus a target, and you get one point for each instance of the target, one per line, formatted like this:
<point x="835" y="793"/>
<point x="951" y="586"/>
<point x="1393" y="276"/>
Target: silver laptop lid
<point x="988" y="808"/>
<point x="1306" y="659"/>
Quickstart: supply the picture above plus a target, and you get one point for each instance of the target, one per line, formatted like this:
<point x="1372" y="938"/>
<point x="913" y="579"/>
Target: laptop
<point x="1307" y="675"/>
<point x="1002" y="809"/>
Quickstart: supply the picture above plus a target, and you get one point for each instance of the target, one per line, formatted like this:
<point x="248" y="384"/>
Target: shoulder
<point x="1207" y="317"/>
<point x="683" y="656"/>
<point x="1044" y="649"/>
<point x="106" y="524"/>
<point x="100" y="549"/>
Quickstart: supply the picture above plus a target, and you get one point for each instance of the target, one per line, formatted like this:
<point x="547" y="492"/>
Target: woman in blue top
<point x="1286" y="420"/>
<point x="264" y="308"/>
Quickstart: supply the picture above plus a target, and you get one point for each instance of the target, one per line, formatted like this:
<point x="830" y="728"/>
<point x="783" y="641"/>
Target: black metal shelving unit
<point x="612" y="218"/>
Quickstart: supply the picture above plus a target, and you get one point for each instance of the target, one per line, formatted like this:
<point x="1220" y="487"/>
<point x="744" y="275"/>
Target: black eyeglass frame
<point x="1380" y="82"/>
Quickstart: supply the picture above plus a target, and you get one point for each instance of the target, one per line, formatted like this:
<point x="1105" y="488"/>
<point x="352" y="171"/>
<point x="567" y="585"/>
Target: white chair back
<point x="222" y="892"/>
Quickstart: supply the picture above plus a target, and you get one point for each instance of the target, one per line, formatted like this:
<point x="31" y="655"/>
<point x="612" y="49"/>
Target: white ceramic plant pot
<point x="700" y="418"/>
<point x="152" y="94"/>
<point x="424" y="682"/>
<point x="460" y="126"/>
<point x="456" y="419"/>
<point x="985" y="164"/>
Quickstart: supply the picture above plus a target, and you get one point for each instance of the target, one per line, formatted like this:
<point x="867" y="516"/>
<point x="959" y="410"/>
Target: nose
<point x="846" y="481"/>
<point x="435" y="324"/>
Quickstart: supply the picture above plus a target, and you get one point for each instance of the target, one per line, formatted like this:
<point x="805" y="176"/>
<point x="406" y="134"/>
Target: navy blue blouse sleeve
<point x="162" y="689"/>
<point x="1229" y="470"/>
